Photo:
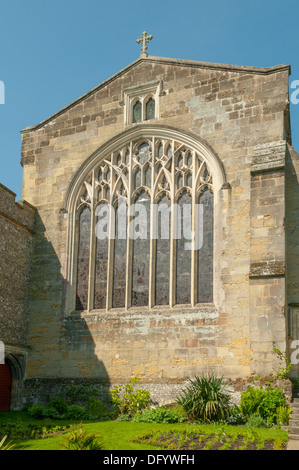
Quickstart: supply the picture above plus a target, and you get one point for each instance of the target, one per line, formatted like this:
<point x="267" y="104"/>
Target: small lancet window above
<point x="137" y="110"/>
<point x="150" y="109"/>
<point x="142" y="102"/>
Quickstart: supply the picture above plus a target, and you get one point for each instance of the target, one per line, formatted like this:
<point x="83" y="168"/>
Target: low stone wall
<point x="37" y="390"/>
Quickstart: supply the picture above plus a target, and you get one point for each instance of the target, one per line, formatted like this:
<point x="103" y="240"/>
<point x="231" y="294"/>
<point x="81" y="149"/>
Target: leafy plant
<point x="80" y="394"/>
<point x="256" y="421"/>
<point x="59" y="404"/>
<point x="262" y="402"/>
<point x="96" y="407"/>
<point x="273" y="399"/>
<point x="278" y="444"/>
<point x="250" y="401"/>
<point x="80" y="440"/>
<point x="159" y="415"/>
<point x="236" y="418"/>
<point x="124" y="417"/>
<point x="129" y="400"/>
<point x="76" y="412"/>
<point x="283" y="415"/>
<point x="38" y="411"/>
<point x="7" y="446"/>
<point x="206" y="398"/>
<point x="285" y="369"/>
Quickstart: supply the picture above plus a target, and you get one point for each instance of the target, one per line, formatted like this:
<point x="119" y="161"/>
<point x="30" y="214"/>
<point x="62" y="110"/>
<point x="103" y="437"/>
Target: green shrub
<point x="236" y="418"/>
<point x="206" y="398"/>
<point x="273" y="399"/>
<point x="58" y="404"/>
<point x="262" y="402"/>
<point x="95" y="407"/>
<point x="250" y="401"/>
<point x="159" y="415"/>
<point x="78" y="413"/>
<point x="38" y="411"/>
<point x="128" y="400"/>
<point x="52" y="413"/>
<point x="123" y="418"/>
<point x="80" y="440"/>
<point x="79" y="394"/>
<point x="256" y="421"/>
<point x="283" y="415"/>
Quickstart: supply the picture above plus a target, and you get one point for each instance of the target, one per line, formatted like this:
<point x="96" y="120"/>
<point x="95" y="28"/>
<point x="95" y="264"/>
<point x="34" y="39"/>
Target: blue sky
<point x="54" y="51"/>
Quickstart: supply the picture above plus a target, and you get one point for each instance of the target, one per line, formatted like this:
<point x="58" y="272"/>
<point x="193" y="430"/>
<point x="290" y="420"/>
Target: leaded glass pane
<point x="83" y="260"/>
<point x="180" y="181"/>
<point x="183" y="265"/>
<point x="163" y="252"/>
<point x="143" y="153"/>
<point x="101" y="273"/>
<point x="137" y="112"/>
<point x="150" y="109"/>
<point x="160" y="151"/>
<point x="148" y="172"/>
<point x="141" y="251"/>
<point x="189" y="160"/>
<point x="120" y="250"/>
<point x="205" y="253"/>
<point x="137" y="178"/>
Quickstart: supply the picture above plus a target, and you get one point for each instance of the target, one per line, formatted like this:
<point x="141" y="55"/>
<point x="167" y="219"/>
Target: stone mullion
<point x="129" y="236"/>
<point x="195" y="233"/>
<point x="153" y="243"/>
<point x="110" y="264"/>
<point x="173" y="230"/>
<point x="92" y="249"/>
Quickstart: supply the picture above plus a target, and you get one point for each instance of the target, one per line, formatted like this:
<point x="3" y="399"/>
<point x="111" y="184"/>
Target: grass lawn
<point x="117" y="435"/>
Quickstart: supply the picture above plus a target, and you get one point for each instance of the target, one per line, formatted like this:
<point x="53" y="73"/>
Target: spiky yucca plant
<point x="206" y="398"/>
<point x="7" y="446"/>
<point x="80" y="440"/>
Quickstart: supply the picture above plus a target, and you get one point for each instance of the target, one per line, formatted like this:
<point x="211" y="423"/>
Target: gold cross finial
<point x="144" y="39"/>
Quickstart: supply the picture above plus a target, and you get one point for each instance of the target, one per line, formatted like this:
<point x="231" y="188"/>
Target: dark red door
<point x="5" y="387"/>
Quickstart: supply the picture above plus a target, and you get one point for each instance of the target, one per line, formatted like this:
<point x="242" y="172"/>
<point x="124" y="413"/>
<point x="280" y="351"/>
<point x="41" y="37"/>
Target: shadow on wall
<point x="292" y="256"/>
<point x="61" y="349"/>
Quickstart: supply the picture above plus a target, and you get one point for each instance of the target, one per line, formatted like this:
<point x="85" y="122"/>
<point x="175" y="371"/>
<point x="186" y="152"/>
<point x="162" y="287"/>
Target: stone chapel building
<point x="76" y="307"/>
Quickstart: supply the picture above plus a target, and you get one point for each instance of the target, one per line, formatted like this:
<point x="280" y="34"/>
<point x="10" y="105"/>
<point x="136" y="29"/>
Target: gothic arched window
<point x="145" y="228"/>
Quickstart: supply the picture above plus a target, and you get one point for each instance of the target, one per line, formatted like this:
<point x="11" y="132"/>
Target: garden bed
<point x="221" y="440"/>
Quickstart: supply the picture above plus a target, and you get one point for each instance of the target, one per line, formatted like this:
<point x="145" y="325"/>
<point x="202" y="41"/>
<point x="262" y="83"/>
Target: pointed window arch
<point x="122" y="260"/>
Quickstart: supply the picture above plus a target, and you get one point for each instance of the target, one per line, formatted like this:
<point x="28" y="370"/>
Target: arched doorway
<point x="5" y="387"/>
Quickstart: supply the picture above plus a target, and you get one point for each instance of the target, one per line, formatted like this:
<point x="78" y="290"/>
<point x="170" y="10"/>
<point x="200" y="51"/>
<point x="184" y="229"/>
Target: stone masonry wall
<point x="234" y="110"/>
<point x="292" y="258"/>
<point x="16" y="232"/>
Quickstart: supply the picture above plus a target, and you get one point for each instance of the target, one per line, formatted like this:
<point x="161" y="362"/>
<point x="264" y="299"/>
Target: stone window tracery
<point x="143" y="261"/>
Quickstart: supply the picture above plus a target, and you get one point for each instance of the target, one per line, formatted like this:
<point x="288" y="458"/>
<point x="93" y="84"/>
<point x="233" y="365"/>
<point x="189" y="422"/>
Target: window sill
<point x="205" y="309"/>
